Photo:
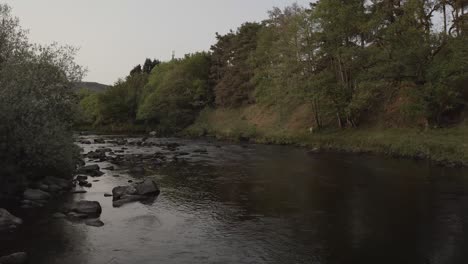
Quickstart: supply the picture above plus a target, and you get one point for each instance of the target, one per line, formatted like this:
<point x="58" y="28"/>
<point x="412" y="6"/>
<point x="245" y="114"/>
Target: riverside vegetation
<point x="37" y="106"/>
<point x="379" y="76"/>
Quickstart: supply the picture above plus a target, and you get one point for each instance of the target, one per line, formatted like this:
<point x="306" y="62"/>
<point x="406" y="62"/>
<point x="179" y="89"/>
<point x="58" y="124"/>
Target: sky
<point x="115" y="35"/>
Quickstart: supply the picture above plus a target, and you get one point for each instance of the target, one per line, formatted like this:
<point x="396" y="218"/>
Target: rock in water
<point x="59" y="216"/>
<point x="148" y="187"/>
<point x="92" y="170"/>
<point x="35" y="195"/>
<point x="99" y="141"/>
<point x="90" y="208"/>
<point x="138" y="192"/>
<point x="8" y="221"/>
<point x="94" y="222"/>
<point x="16" y="258"/>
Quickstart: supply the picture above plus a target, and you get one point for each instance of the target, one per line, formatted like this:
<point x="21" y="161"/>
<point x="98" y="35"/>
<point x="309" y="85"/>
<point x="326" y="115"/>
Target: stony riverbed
<point x="151" y="200"/>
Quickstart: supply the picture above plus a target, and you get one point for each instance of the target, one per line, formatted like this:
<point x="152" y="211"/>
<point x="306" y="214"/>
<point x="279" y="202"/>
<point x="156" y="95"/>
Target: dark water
<point x="265" y="204"/>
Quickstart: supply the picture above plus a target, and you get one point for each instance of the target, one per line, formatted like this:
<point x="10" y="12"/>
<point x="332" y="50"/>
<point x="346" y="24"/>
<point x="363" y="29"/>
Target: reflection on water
<point x="265" y="204"/>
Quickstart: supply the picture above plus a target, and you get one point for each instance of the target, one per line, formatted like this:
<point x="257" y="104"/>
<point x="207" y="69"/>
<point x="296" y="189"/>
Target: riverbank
<point x="447" y="146"/>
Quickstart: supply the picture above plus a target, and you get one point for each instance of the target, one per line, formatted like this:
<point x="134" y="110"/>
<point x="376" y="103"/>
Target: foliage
<point x="36" y="104"/>
<point x="87" y="112"/>
<point x="350" y="61"/>
<point x="231" y="73"/>
<point x="178" y="90"/>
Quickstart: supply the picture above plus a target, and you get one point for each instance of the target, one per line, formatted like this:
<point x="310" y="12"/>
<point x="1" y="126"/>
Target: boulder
<point x="43" y="187"/>
<point x="153" y="133"/>
<point x="8" y="221"/>
<point x="76" y="216"/>
<point x="147" y="187"/>
<point x="121" y="191"/>
<point x="16" y="258"/>
<point x="59" y="216"/>
<point x="91" y="170"/>
<point x="128" y="199"/>
<point x="138" y="192"/>
<point x="88" y="208"/>
<point x="81" y="178"/>
<point x="96" y="155"/>
<point x="34" y="195"/>
<point x="78" y="190"/>
<point x="94" y="222"/>
<point x="99" y="141"/>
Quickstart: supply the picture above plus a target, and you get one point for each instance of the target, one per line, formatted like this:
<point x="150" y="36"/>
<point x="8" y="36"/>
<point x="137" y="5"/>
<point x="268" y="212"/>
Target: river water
<point x="262" y="204"/>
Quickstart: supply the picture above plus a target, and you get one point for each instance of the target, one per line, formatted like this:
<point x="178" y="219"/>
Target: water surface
<point x="263" y="204"/>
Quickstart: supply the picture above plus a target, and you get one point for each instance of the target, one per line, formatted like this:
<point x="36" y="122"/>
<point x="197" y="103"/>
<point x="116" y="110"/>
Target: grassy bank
<point x="448" y="146"/>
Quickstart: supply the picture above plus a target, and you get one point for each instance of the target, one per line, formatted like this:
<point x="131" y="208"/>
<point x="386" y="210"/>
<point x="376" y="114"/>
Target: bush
<point x="37" y="105"/>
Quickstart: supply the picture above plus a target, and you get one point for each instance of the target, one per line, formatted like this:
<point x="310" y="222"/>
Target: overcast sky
<point x="115" y="35"/>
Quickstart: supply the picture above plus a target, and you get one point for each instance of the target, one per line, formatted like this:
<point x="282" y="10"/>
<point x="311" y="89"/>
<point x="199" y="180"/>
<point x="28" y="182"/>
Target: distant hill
<point x="93" y="86"/>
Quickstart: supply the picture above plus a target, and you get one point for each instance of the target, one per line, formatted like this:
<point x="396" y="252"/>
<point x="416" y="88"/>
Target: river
<point x="261" y="204"/>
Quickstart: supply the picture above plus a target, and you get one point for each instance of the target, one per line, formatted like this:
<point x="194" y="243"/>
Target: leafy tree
<point x="180" y="90"/>
<point x="231" y="72"/>
<point x="136" y="70"/>
<point x="149" y="65"/>
<point x="36" y="105"/>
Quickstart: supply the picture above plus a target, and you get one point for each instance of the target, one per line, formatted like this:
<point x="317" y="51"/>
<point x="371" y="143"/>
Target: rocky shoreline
<point x="40" y="193"/>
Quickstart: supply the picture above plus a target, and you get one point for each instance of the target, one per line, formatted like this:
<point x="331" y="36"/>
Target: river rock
<point x="16" y="258"/>
<point x="43" y="187"/>
<point x="94" y="222"/>
<point x="99" y="141"/>
<point x="96" y="155"/>
<point x="35" y="195"/>
<point x="137" y="192"/>
<point x="81" y="178"/>
<point x="78" y="189"/>
<point x="59" y="216"/>
<point x="107" y="195"/>
<point x="91" y="170"/>
<point x="89" y="208"/>
<point x="128" y="199"/>
<point x="8" y="221"/>
<point x="73" y="216"/>
<point x="147" y="187"/>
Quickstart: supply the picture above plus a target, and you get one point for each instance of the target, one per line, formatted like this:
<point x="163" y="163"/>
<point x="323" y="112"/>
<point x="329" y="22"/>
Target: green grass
<point x="448" y="146"/>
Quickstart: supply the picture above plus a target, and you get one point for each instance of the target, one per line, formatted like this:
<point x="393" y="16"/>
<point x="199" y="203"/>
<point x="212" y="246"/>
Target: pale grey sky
<point x="115" y="35"/>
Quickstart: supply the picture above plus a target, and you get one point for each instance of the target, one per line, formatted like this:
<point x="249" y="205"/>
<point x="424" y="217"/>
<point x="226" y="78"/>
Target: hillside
<point x="92" y="86"/>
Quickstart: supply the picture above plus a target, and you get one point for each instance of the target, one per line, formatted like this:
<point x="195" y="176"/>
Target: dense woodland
<point x="349" y="60"/>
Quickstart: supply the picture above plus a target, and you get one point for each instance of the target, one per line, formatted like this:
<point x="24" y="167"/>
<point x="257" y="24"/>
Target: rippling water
<point x="264" y="204"/>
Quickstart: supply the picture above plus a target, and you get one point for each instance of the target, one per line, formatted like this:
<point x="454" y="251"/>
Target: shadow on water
<point x="266" y="204"/>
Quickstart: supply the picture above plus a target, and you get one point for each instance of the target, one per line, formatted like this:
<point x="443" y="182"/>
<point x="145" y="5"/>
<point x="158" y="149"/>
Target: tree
<point x="136" y="70"/>
<point x="37" y="105"/>
<point x="149" y="65"/>
<point x="179" y="91"/>
<point x="231" y="72"/>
